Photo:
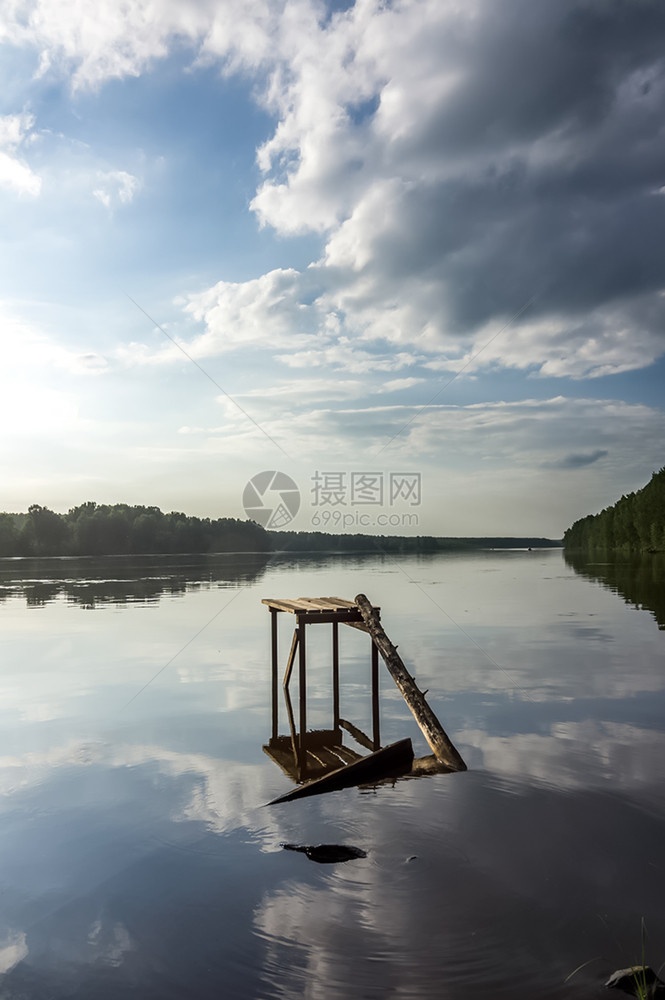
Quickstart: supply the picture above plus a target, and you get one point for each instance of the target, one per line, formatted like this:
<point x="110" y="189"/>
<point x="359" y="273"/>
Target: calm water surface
<point x="139" y="858"/>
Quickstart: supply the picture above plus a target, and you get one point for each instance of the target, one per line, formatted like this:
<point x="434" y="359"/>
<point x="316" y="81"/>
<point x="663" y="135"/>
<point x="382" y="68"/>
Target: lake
<point x="139" y="857"/>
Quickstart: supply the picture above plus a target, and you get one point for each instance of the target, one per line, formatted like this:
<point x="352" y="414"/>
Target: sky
<point x="409" y="254"/>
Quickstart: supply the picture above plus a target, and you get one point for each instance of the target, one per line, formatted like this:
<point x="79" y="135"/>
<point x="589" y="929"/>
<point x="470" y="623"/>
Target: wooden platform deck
<point x="313" y="610"/>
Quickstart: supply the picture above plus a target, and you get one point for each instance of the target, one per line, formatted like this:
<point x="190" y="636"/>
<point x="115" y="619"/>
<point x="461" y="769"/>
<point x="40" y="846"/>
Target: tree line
<point x="321" y="541"/>
<point x="120" y="529"/>
<point x="93" y="529"/>
<point x="635" y="523"/>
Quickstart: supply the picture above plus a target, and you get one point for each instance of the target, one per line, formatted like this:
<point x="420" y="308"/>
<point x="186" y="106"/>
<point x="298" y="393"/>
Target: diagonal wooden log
<point x="431" y="728"/>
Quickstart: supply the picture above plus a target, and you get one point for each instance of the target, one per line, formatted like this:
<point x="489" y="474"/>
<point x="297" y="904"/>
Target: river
<point x="139" y="857"/>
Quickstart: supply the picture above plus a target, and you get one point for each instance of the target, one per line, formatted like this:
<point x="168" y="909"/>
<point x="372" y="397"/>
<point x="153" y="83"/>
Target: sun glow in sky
<point x="333" y="210"/>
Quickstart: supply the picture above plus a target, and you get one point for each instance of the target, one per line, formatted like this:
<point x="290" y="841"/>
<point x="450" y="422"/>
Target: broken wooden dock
<point x="313" y="755"/>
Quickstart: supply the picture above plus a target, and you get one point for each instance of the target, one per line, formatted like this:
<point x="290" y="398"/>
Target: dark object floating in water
<point x="634" y="979"/>
<point x="327" y="854"/>
<point x="390" y="761"/>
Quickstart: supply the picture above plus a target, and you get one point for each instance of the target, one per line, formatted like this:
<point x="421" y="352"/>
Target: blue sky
<point x="333" y="210"/>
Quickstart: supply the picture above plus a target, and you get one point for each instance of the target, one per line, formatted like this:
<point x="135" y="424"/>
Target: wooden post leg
<point x="376" y="735"/>
<point x="291" y="660"/>
<point x="275" y="684"/>
<point x="335" y="676"/>
<point x="303" y="696"/>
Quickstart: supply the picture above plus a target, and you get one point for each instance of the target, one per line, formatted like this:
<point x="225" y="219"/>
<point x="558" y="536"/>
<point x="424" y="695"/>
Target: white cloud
<point x="305" y="389"/>
<point x="522" y="434"/>
<point x="13" y="949"/>
<point x="448" y="194"/>
<point x="266" y="310"/>
<point x="100" y="41"/>
<point x="345" y="355"/>
<point x="278" y="310"/>
<point x="398" y="384"/>
<point x="115" y="187"/>
<point x="15" y="174"/>
<point x="603" y="342"/>
<point x="13" y="129"/>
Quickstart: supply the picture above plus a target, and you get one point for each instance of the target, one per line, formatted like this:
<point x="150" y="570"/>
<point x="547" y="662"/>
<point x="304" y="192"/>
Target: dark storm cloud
<point x="524" y="69"/>
<point x="577" y="461"/>
<point x="546" y="158"/>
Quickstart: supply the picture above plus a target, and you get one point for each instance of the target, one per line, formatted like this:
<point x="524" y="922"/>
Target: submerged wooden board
<point x="319" y="761"/>
<point x="393" y="760"/>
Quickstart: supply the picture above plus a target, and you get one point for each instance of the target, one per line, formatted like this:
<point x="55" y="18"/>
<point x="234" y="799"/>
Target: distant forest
<point x="119" y="529"/>
<point x="635" y="523"/>
<point x="319" y="541"/>
<point x="99" y="529"/>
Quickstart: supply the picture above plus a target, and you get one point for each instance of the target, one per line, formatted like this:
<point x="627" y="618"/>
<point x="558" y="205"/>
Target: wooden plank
<point x="321" y="759"/>
<point x="279" y="605"/>
<point x="357" y="734"/>
<point x="346" y="754"/>
<point x="331" y="758"/>
<point x="319" y="603"/>
<point x="340" y="602"/>
<point x="307" y="604"/>
<point x="292" y="656"/>
<point x="431" y="728"/>
<point x="393" y="760"/>
<point x="359" y="625"/>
